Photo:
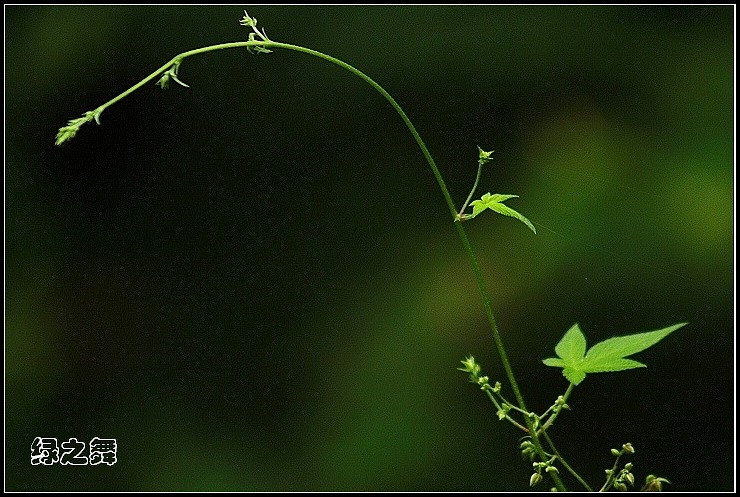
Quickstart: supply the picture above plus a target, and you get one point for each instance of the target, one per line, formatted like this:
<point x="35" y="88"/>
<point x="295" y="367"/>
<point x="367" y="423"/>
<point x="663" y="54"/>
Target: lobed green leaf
<point x="604" y="357"/>
<point x="495" y="203"/>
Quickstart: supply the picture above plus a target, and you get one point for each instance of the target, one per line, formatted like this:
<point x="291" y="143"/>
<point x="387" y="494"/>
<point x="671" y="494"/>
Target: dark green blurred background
<point x="255" y="284"/>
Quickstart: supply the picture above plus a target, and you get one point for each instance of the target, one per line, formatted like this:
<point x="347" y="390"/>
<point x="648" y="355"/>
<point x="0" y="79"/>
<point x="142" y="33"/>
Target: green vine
<point x="607" y="356"/>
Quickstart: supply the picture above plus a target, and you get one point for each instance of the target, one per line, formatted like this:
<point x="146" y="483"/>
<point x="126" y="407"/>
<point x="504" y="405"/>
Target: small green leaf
<point x="495" y="203"/>
<point x="606" y="356"/>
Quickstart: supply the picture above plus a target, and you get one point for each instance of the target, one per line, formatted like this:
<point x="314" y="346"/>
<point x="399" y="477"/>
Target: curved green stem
<point x="175" y="61"/>
<point x="460" y="230"/>
<point x="69" y="131"/>
<point x="565" y="463"/>
<point x="499" y="408"/>
<point x="472" y="192"/>
<point x="556" y="412"/>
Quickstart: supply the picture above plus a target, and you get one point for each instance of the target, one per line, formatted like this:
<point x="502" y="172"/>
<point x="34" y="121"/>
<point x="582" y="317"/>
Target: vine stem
<point x="565" y="463"/>
<point x="267" y="44"/>
<point x="460" y="230"/>
<point x="459" y="215"/>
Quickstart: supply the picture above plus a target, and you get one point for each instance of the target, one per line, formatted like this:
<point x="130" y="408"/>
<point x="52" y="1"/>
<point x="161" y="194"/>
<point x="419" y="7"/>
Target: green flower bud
<point x="535" y="479"/>
<point x="483" y="382"/>
<point x="630" y="478"/>
<point x="653" y="484"/>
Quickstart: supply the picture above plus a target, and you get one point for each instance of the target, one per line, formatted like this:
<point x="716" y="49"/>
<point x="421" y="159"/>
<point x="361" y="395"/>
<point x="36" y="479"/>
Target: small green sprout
<point x="488" y="201"/>
<point x="484" y="157"/>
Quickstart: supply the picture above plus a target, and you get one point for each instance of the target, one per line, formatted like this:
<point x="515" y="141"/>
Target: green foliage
<point x="606" y="356"/>
<point x="495" y="202"/>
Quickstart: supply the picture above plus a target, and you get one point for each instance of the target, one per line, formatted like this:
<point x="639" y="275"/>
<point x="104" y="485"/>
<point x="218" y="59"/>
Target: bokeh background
<point x="254" y="284"/>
